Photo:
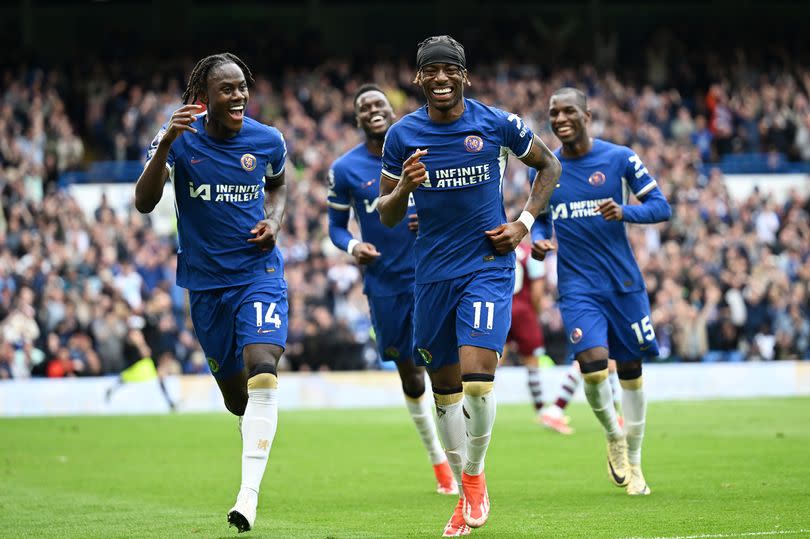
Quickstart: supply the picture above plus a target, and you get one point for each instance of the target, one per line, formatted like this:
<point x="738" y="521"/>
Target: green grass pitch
<point x="717" y="469"/>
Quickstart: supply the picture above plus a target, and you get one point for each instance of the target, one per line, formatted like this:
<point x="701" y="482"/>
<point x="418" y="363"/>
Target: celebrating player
<point x="228" y="175"/>
<point x="387" y="256"/>
<point x="451" y="155"/>
<point x="603" y="298"/>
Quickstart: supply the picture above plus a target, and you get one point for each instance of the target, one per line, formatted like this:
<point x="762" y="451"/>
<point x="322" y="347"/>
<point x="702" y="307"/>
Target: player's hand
<point x="413" y="172"/>
<point x="264" y="234"/>
<point x="413" y="222"/>
<point x="181" y="121"/>
<point x="540" y="248"/>
<point x="507" y="237"/>
<point x="610" y="210"/>
<point x="365" y="253"/>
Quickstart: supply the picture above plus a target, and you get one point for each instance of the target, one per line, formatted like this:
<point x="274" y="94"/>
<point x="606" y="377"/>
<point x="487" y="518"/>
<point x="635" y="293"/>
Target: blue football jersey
<point x="594" y="254"/>
<point x="463" y="195"/>
<point x="354" y="182"/>
<point x="219" y="197"/>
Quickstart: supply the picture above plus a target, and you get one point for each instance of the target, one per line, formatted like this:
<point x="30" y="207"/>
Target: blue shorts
<point x="228" y="319"/>
<point x="619" y="322"/>
<point x="392" y="317"/>
<point x="471" y="310"/>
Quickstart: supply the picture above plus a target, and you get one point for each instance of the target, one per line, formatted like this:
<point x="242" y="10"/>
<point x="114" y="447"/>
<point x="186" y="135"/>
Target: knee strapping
<point x="478" y="384"/>
<point x="629" y="371"/>
<point x="586" y="367"/>
<point x="263" y="376"/>
<point x="597" y="377"/>
<point x="446" y="397"/>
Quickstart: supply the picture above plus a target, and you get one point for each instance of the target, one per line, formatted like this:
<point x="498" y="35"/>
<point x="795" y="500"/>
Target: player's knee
<point x="594" y="372"/>
<point x="413" y="385"/>
<point x="478" y="384"/>
<point x="263" y="376"/>
<point x="236" y="404"/>
<point x="630" y="374"/>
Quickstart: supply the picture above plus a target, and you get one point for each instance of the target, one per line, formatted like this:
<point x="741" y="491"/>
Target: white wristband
<point x="350" y="247"/>
<point x="527" y="219"/>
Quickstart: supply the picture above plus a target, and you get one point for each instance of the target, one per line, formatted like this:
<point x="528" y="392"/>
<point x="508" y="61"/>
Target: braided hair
<point x="198" y="79"/>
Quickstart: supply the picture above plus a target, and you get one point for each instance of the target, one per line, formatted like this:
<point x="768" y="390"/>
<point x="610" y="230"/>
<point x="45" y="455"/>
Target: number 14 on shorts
<point x="270" y="315"/>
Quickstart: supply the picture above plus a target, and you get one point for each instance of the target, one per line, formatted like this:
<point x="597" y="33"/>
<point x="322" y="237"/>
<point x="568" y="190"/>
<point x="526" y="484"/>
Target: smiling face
<point x="569" y="121"/>
<point x="443" y="85"/>
<point x="374" y="114"/>
<point x="226" y="99"/>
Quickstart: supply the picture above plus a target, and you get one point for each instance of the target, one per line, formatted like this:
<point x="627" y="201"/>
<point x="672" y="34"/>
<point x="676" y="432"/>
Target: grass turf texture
<point x="717" y="467"/>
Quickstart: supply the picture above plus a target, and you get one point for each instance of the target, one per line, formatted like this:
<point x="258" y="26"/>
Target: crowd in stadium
<point x="89" y="294"/>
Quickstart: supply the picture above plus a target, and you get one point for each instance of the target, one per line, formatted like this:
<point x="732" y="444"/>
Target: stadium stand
<point x="728" y="278"/>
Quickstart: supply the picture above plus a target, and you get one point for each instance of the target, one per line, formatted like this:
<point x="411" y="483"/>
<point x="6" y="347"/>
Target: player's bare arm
<point x="365" y="253"/>
<point x="394" y="195"/>
<point x="149" y="187"/>
<point x="506" y="237"/>
<point x="275" y="203"/>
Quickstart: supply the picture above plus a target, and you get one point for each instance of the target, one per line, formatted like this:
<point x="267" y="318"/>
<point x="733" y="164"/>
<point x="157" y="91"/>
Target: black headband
<point x="440" y="51"/>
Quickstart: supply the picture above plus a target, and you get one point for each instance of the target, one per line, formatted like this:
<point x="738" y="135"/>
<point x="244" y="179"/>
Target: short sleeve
<point x="275" y="164"/>
<point x="338" y="195"/>
<point x="535" y="269"/>
<point x="637" y="176"/>
<point x="515" y="134"/>
<point x="150" y="152"/>
<point x="393" y="154"/>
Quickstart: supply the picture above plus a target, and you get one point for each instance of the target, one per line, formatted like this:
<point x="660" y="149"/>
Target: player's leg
<point x="421" y="411"/>
<point x="525" y="333"/>
<point x="632" y="338"/>
<point x="635" y="406"/>
<point x="616" y="388"/>
<point x="482" y="323"/>
<point x="261" y="334"/>
<point x="392" y="319"/>
<point x="593" y="364"/>
<point x="448" y="396"/>
<point x="553" y="415"/>
<point x="436" y="349"/>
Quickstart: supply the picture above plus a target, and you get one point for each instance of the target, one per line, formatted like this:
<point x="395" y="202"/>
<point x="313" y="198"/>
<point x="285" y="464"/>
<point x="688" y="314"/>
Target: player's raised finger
<point x="414" y="157"/>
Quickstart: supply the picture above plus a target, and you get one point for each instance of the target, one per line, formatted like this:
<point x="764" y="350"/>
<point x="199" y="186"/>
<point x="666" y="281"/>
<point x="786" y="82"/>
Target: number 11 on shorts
<point x="490" y="314"/>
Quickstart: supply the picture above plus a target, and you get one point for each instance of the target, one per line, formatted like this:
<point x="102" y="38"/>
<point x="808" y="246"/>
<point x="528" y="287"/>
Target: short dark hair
<point x="199" y="75"/>
<point x="579" y="96"/>
<point x="369" y="87"/>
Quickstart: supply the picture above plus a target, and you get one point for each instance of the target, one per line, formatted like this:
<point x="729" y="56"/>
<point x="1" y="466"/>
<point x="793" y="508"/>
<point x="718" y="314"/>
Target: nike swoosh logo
<point x="194" y="161"/>
<point x="643" y="348"/>
<point x="618" y="478"/>
<point x="266" y="330"/>
<point x="368" y="183"/>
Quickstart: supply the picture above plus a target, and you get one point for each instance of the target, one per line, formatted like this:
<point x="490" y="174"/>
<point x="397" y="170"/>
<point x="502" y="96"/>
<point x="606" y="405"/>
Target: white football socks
<point x="600" y="397"/>
<point x="258" y="428"/>
<point x="479" y="402"/>
<point x="422" y="417"/>
<point x="451" y="430"/>
<point x="635" y="417"/>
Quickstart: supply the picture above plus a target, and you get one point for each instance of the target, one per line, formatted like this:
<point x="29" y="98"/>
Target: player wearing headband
<point x="451" y="156"/>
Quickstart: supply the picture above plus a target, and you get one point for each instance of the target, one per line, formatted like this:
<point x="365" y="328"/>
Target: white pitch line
<point x="724" y="535"/>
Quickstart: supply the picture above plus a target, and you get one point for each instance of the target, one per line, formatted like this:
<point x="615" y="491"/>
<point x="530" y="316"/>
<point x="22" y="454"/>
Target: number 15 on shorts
<point x="643" y="330"/>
